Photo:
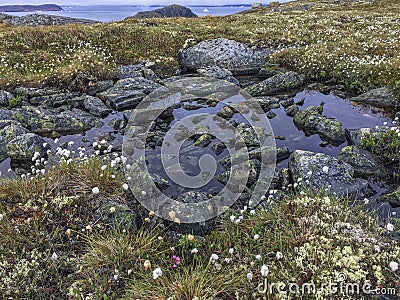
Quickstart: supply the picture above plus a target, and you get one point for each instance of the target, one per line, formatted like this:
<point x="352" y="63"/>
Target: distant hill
<point x="29" y="8"/>
<point x="171" y="11"/>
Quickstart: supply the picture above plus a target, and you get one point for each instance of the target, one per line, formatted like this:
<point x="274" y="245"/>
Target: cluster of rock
<point x="29" y="114"/>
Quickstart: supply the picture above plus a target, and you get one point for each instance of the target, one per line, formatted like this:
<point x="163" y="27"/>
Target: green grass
<point x="318" y="236"/>
<point x="355" y="44"/>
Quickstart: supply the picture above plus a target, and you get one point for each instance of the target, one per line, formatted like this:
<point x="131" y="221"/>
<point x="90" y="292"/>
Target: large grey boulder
<point x="24" y="147"/>
<point x="326" y="172"/>
<point x="363" y="162"/>
<point x="171" y="11"/>
<point x="381" y="97"/>
<point x="311" y="121"/>
<point x="232" y="55"/>
<point x="128" y="93"/>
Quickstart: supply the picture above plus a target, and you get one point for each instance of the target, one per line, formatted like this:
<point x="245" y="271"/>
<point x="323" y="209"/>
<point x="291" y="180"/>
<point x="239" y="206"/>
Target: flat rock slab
<point x="327" y="172"/>
<point x="277" y="84"/>
<point x="231" y="55"/>
<point x="382" y="97"/>
<point x="46" y="120"/>
<point x="128" y="93"/>
<point x="95" y="106"/>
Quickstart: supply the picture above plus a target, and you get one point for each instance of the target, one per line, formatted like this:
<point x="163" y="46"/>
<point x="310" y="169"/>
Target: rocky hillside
<point x="29" y="8"/>
<point x="171" y="11"/>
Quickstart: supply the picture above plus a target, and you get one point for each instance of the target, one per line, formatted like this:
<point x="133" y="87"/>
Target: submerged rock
<point x="232" y="55"/>
<point x="363" y="162"/>
<point x="326" y="172"/>
<point x="382" y="97"/>
<point x="277" y="84"/>
<point x="311" y="121"/>
<point x="24" y="147"/>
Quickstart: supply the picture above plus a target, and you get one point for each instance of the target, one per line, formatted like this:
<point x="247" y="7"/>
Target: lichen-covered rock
<point x="292" y="110"/>
<point x="95" y="106"/>
<point x="250" y="135"/>
<point x="267" y="102"/>
<point x="5" y="97"/>
<point x="277" y="84"/>
<point x="232" y="55"/>
<point x="116" y="215"/>
<point x="53" y="100"/>
<point x="218" y="72"/>
<point x="311" y="121"/>
<point x="128" y="93"/>
<point x="44" y="121"/>
<point x="239" y="172"/>
<point x="24" y="147"/>
<point x="363" y="162"/>
<point x="10" y="132"/>
<point x="381" y="97"/>
<point x="204" y="140"/>
<point x="326" y="172"/>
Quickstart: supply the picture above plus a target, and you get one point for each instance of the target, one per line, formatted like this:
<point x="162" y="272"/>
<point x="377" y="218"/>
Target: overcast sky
<point x="129" y="2"/>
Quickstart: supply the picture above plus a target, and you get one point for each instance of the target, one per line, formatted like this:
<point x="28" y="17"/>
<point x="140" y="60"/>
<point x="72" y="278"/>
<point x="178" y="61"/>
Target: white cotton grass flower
<point x="194" y="251"/>
<point x="214" y="257"/>
<point x="95" y="190"/>
<point x="377" y="248"/>
<point x="125" y="186"/>
<point x="258" y="257"/>
<point x="264" y="271"/>
<point x="54" y="256"/>
<point x="116" y="277"/>
<point x="256" y="237"/>
<point x="394" y="266"/>
<point x="144" y="193"/>
<point x="325" y="169"/>
<point x="389" y="227"/>
<point x="252" y="212"/>
<point x="279" y="255"/>
<point x="157" y="272"/>
<point x="249" y="276"/>
<point x="231" y="250"/>
<point x="1" y="217"/>
<point x="227" y="260"/>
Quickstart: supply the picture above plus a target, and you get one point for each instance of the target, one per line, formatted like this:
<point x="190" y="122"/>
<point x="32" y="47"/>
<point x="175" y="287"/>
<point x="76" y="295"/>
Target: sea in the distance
<point x="109" y="13"/>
